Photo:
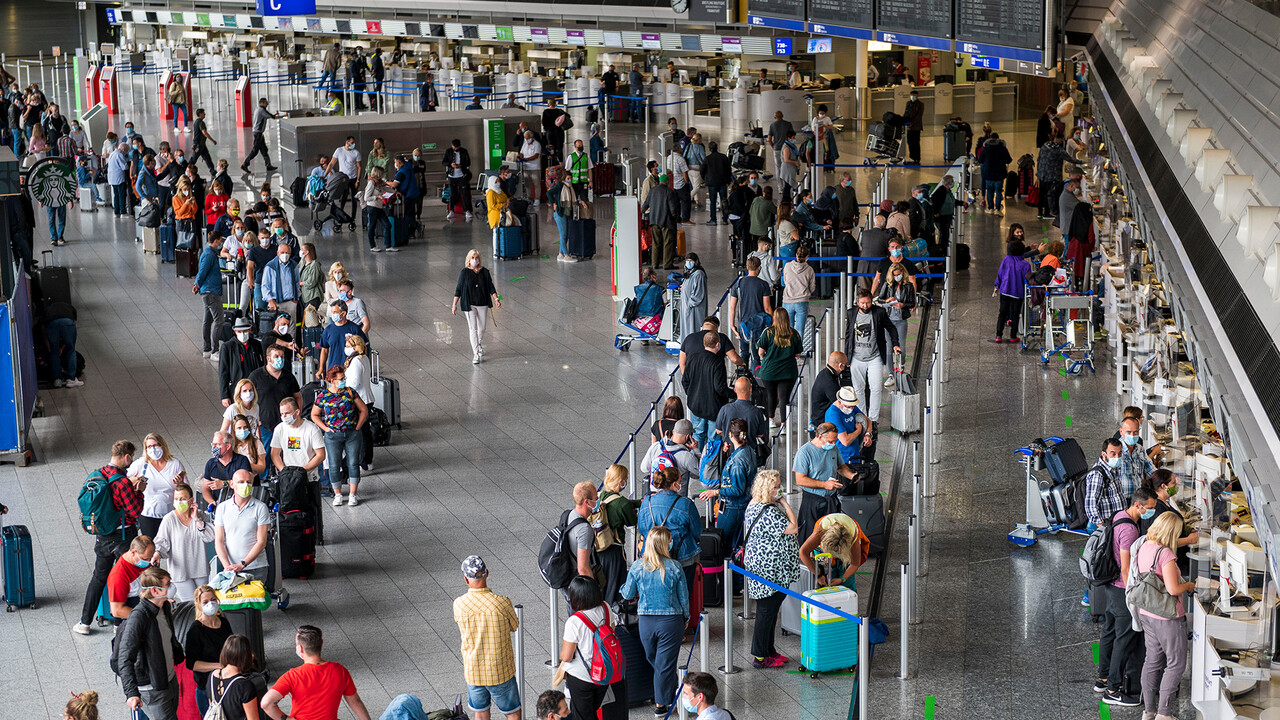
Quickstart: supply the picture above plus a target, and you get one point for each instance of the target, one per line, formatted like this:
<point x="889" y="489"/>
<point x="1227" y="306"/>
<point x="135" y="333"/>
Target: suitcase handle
<point x="377" y="366"/>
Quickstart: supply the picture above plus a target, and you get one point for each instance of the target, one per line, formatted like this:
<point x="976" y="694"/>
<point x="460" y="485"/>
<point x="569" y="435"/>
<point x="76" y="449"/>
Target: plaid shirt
<point x="126" y="498"/>
<point x="66" y="147"/>
<point x="486" y="621"/>
<point x="1135" y="467"/>
<point x="1102" y="494"/>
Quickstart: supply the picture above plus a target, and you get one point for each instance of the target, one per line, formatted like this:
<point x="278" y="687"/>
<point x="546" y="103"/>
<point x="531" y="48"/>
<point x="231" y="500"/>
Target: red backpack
<point x="608" y="664"/>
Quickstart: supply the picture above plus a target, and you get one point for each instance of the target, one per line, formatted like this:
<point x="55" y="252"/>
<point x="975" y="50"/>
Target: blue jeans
<point x="335" y="444"/>
<point x="120" y="198"/>
<point x="17" y="143"/>
<point x="186" y="117"/>
<point x="506" y="696"/>
<point x="661" y="636"/>
<point x="326" y="77"/>
<point x="267" y="433"/>
<point x="797" y="312"/>
<point x="702" y="429"/>
<point x="374" y="220"/>
<point x="562" y="225"/>
<point x="993" y="191"/>
<point x="57" y="221"/>
<point x="61" y="334"/>
<point x="202" y="700"/>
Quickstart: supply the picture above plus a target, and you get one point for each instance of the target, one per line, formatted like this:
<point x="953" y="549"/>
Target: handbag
<point x="740" y="552"/>
<point x="1149" y="593"/>
<point x="631" y="308"/>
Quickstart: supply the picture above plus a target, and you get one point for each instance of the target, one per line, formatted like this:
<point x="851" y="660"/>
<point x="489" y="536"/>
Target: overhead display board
<point x="1013" y="29"/>
<point x="922" y="23"/>
<point x="842" y="18"/>
<point x="782" y="14"/>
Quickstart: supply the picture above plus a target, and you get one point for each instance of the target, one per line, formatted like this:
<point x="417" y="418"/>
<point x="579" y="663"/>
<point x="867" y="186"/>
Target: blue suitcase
<point x="104" y="616"/>
<point x="828" y="641"/>
<point x="19" y="568"/>
<point x="582" y="238"/>
<point x="510" y="242"/>
<point x="399" y="231"/>
<point x="168" y="239"/>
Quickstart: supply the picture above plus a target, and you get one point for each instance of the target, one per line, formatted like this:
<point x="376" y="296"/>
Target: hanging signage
<point x="731" y="45"/>
<point x="708" y="10"/>
<point x="782" y="46"/>
<point x="539" y="35"/>
<point x="503" y="33"/>
<point x="286" y="7"/>
<point x="651" y="41"/>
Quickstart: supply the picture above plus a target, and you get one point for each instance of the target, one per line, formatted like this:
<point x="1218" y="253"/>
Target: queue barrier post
<point x="904" y="624"/>
<point x="684" y="670"/>
<point x="704" y="644"/>
<point x="864" y="669"/>
<point x="519" y="650"/>
<point x="554" y="661"/>
<point x="728" y="668"/>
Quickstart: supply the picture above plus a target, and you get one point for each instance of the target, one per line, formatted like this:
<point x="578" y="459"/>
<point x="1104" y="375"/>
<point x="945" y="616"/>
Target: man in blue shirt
<point x="817" y="465"/>
<point x="208" y="284"/>
<point x="280" y="283"/>
<point x="118" y="178"/>
<point x="334" y="337"/>
<point x="850" y="424"/>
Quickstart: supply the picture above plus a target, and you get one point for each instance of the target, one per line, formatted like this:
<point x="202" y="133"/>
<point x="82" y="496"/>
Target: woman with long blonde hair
<point x="663" y="608"/>
<point x="1165" y="637"/>
<point x="779" y="346"/>
<point x="244" y="401"/>
<point x="162" y="471"/>
<point x="476" y="294"/>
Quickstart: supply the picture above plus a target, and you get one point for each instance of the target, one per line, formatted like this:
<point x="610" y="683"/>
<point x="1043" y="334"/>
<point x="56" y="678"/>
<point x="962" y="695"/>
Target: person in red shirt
<point x="126" y="496"/>
<point x="316" y="687"/>
<point x="215" y="205"/>
<point x="122" y="583"/>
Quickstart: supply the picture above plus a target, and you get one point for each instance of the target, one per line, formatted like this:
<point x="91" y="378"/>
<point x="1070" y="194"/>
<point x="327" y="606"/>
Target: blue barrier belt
<point x="802" y="598"/>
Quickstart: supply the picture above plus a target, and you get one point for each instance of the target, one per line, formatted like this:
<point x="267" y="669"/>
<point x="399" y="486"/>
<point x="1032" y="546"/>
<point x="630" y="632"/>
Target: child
<point x="84" y="178"/>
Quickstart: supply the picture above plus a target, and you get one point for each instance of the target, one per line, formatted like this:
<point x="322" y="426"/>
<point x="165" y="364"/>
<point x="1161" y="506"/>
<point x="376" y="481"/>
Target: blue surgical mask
<point x="242" y="433"/>
<point x="1114" y="462"/>
<point x="689" y="706"/>
<point x="344" y="296"/>
<point x="828" y="446"/>
<point x="142" y="563"/>
<point x="1148" y="513"/>
<point x="342" y="384"/>
<point x="1129" y="440"/>
<point x="129" y="132"/>
<point x="688" y="264"/>
<point x="277" y="363"/>
<point x="895" y="253"/>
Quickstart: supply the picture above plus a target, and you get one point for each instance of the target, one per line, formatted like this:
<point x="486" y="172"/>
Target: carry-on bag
<point x="639" y="671"/>
<point x="510" y="243"/>
<point x="19" y="568"/>
<point x="249" y="624"/>
<point x="85" y="195"/>
<point x="829" y="641"/>
<point x="55" y="280"/>
<point x="695" y="598"/>
<point x="789" y="614"/>
<point x="386" y="392"/>
<point x="187" y="261"/>
<point x="868" y="512"/>
<point x="905" y="404"/>
<point x="297" y="543"/>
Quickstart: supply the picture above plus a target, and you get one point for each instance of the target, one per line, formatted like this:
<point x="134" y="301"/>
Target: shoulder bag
<point x="1149" y="592"/>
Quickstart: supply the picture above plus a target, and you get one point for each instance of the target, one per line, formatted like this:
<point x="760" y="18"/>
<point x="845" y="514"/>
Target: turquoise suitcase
<point x="827" y="641"/>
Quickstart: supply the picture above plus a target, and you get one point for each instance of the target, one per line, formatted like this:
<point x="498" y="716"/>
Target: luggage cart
<point x="668" y="328"/>
<point x="1067" y="329"/>
<point x="1038" y="493"/>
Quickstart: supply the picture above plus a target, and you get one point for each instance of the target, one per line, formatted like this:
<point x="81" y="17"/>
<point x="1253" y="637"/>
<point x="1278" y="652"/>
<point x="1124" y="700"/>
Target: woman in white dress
<point x="1066" y="111"/>
<point x="161" y="470"/>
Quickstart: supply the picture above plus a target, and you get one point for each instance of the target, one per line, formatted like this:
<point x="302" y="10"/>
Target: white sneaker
<point x="375" y="249"/>
<point x="889" y="382"/>
<point x="354" y="501"/>
<point x="468" y="216"/>
<point x="479" y="351"/>
<point x="393" y="249"/>
<point x="449" y="216"/>
<point x="475" y="359"/>
<point x="81" y="629"/>
<point x="206" y="354"/>
<point x="561" y="257"/>
<point x="73" y="382"/>
<point x="59" y="383"/>
<point x="337" y="499"/>
<point x="570" y="259"/>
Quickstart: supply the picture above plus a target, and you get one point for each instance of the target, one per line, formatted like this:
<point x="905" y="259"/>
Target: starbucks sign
<point x="52" y="182"/>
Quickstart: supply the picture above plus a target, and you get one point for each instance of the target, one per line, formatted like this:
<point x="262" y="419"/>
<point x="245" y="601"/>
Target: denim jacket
<point x="663" y="593"/>
<point x="739" y="473"/>
<point x="684" y="522"/>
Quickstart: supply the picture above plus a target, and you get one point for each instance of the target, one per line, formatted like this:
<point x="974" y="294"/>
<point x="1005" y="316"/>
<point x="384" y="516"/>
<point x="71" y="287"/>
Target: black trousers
<point x="106" y="551"/>
<point x="1010" y="311"/>
<point x="259" y="147"/>
<point x="777" y="392"/>
<point x="943" y="225"/>
<point x="766" y="625"/>
<point x="587" y="698"/>
<point x="201" y="150"/>
<point x="612" y="571"/>
<point x="1121" y="649"/>
<point x="913" y="145"/>
<point x="717" y="197"/>
<point x="1049" y="192"/>
<point x="813" y="507"/>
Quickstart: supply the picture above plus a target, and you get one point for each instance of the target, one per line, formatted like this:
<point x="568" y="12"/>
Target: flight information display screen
<point x="930" y="18"/>
<point x="846" y="13"/>
<point x="1011" y="23"/>
<point x="793" y="9"/>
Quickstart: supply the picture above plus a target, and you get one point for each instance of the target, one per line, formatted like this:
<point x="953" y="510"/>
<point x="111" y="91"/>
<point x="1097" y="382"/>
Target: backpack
<point x="292" y="491"/>
<point x="666" y="458"/>
<point x="608" y="663"/>
<point x="714" y="457"/>
<point x="215" y="711"/>
<point x="605" y="535"/>
<point x="98" y="512"/>
<point x="1098" y="561"/>
<point x="554" y="561"/>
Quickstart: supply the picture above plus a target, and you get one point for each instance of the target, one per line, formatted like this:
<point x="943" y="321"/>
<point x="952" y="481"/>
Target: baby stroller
<point x="329" y="198"/>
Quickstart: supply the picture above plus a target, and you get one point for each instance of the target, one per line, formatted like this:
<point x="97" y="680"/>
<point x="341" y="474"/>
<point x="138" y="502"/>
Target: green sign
<point x="203" y="19"/>
<point x="52" y="182"/>
<point x="504" y="33"/>
<point x="495" y="132"/>
<point x="428" y="146"/>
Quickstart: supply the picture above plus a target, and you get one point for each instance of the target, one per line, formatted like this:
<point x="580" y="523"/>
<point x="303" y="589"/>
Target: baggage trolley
<point x="1037" y="523"/>
<point x="1067" y="329"/>
<point x="665" y="334"/>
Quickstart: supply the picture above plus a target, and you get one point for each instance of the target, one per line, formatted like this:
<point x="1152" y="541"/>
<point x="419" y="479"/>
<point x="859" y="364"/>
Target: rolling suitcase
<point x="249" y="623"/>
<point x="386" y="392"/>
<point x="166" y="236"/>
<point x="905" y="402"/>
<point x="581" y="237"/>
<point x="529" y="227"/>
<point x="150" y="239"/>
<point x="297" y="544"/>
<point x="103" y="614"/>
<point x="85" y="193"/>
<point x="399" y="231"/>
<point x="602" y="179"/>
<point x="789" y="614"/>
<point x="952" y="143"/>
<point x="19" y="568"/>
<point x="868" y="511"/>
<point x="230" y="296"/>
<point x="695" y="599"/>
<point x="1065" y="460"/>
<point x="55" y="281"/>
<point x="828" y="641"/>
<point x="680" y="244"/>
<point x="639" y="671"/>
<point x="711" y="558"/>
<point x="510" y="242"/>
<point x="962" y="256"/>
<point x="104" y="192"/>
<point x="187" y="262"/>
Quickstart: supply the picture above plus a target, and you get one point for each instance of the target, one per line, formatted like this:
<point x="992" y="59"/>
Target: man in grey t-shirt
<point x="260" y="118"/>
<point x="582" y="537"/>
<point x="867" y="350"/>
<point x="778" y="130"/>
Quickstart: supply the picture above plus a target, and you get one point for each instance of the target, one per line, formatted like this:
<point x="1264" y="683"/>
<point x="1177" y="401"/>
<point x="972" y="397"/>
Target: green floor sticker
<point x="546" y="257"/>
<point x="517" y="279"/>
<point x="1067" y="420"/>
<point x="928" y="708"/>
<point x="1104" y="711"/>
<point x="1062" y="372"/>
<point x="1064" y="394"/>
<point x="1095" y="654"/>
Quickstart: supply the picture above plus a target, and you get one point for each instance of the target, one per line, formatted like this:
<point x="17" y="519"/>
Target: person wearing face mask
<point x="870" y="335"/>
<point x="851" y="426"/>
<point x="224" y="176"/>
<point x="180" y="542"/>
<point x="943" y="204"/>
<point x="341" y="414"/>
<point x="847" y="197"/>
<point x="913" y="118"/>
<point x="337" y="274"/>
<point x="334" y="337"/>
<point x="122" y="583"/>
<point x="357" y="365"/>
<point x="220" y="468"/>
<point x="205" y="640"/>
<point x="476" y="294"/>
<point x="258" y="255"/>
<point x="897" y="296"/>
<point x="127" y="498"/>
<point x="345" y="160"/>
<point x="311" y="281"/>
<point x="118" y="179"/>
<point x="826" y="386"/>
<point x="281" y="336"/>
<point x="79" y="140"/>
<point x="1135" y="466"/>
<point x="215" y="208"/>
<point x="245" y="442"/>
<point x="237" y="359"/>
<point x="579" y="165"/>
<point x="161" y="471"/>
<point x="1010" y="278"/>
<point x="241" y="527"/>
<point x="356" y="310"/>
<point x="1049" y="173"/>
<point x="185" y="210"/>
<point x="895" y="255"/>
<point x="228" y="214"/>
<point x="920" y="213"/>
<point x="693" y="294"/>
<point x="772" y="552"/>
<point x="1103" y="497"/>
<point x="818" y="467"/>
<point x="1120" y="649"/>
<point x="148" y="649"/>
<point x="763" y="214"/>
<point x="244" y="402"/>
<point x="296" y="441"/>
<point x="280" y="281"/>
<point x="260" y="118"/>
<point x="1163" y="484"/>
<point x="789" y="169"/>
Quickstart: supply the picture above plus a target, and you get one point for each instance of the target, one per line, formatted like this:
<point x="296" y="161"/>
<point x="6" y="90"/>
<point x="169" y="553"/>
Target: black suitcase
<point x="399" y="231"/>
<point x="712" y="557"/>
<point x="1011" y="184"/>
<point x="249" y="624"/>
<point x="582" y="238"/>
<point x="962" y="256"/>
<point x="297" y="544"/>
<point x="298" y="189"/>
<point x="865" y="480"/>
<point x="952" y="143"/>
<point x="1065" y="461"/>
<point x="187" y="262"/>
<point x="639" y="671"/>
<point x="266" y="322"/>
<point x="55" y="281"/>
<point x="868" y="511"/>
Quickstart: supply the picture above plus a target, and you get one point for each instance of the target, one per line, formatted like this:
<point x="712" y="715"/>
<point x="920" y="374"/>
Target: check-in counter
<point x="966" y="101"/>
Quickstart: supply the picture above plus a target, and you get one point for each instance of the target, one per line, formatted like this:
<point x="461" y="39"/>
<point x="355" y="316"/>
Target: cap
<point x="682" y="427"/>
<point x="473" y="568"/>
<point x="243" y="324"/>
<point x="847" y="395"/>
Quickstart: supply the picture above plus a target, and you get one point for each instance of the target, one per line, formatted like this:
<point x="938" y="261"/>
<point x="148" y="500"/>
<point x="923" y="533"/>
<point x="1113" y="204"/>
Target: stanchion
<point x="864" y="668"/>
<point x="684" y="714"/>
<point x="728" y="668"/>
<point x="704" y="643"/>
<point x="915" y="456"/>
<point x="519" y="650"/>
<point x="904" y="625"/>
<point x="913" y="545"/>
<point x="790" y="454"/>
<point x="554" y="647"/>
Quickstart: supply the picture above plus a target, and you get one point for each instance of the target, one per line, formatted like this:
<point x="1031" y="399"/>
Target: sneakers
<point x="997" y="341"/>
<point x="393" y="249"/>
<point x="449" y="216"/>
<point x="354" y="501"/>
<point x="1100" y="685"/>
<point x="74" y="383"/>
<point x="768" y="662"/>
<point x="710" y="222"/>
<point x="337" y="499"/>
<point x="469" y="216"/>
<point x="475" y="359"/>
<point x="59" y="383"/>
<point x="80" y="629"/>
<point x="661" y="711"/>
<point x="480" y="350"/>
<point x="560" y="257"/>
<point x="375" y="249"/>
<point x="1113" y="697"/>
<point x="570" y="259"/>
<point x="780" y="656"/>
<point x="890" y="381"/>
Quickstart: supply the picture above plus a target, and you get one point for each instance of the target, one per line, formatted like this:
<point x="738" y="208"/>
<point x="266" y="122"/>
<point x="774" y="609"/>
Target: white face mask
<point x="242" y="336"/>
<point x="246" y="397"/>
<point x="155" y="452"/>
<point x="210" y="608"/>
<point x="348" y="351"/>
<point x="286" y="419"/>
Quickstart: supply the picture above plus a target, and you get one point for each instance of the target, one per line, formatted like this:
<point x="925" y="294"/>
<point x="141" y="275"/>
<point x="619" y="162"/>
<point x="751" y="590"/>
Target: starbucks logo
<point x="52" y="182"/>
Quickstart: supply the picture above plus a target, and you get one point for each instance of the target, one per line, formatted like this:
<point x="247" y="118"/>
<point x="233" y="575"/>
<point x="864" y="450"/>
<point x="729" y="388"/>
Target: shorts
<point x="506" y="696"/>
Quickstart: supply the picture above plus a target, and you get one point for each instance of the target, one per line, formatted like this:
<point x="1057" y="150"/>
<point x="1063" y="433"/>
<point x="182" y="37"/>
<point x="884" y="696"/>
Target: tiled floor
<point x="488" y="454"/>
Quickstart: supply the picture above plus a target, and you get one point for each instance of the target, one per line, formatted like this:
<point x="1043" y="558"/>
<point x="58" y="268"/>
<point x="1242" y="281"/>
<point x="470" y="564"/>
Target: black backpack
<point x="1098" y="560"/>
<point x="555" y="562"/>
<point x="293" y="491"/>
<point x="380" y="426"/>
